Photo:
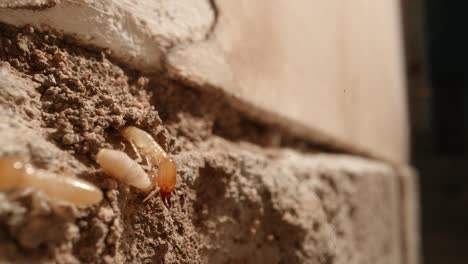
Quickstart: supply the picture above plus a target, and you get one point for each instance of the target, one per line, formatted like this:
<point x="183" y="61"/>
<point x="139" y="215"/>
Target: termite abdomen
<point x="119" y="165"/>
<point x="14" y="173"/>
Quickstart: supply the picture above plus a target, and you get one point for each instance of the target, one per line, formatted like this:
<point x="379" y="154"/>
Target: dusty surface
<point x="243" y="196"/>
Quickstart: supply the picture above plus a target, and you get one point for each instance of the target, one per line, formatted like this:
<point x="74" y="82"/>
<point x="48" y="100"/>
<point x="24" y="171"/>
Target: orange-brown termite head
<point x="166" y="180"/>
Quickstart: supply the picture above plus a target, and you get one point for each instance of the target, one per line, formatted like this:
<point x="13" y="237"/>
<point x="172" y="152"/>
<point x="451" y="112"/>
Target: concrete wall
<point x="258" y="105"/>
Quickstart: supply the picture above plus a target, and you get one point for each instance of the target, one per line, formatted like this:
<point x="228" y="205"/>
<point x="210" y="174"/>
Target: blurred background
<point x="437" y="66"/>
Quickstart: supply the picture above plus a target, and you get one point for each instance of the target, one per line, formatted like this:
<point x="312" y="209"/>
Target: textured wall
<point x="241" y="197"/>
<point x="262" y="170"/>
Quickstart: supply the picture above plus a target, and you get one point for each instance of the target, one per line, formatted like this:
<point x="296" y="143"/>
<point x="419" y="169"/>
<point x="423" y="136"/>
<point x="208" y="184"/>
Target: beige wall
<point x="330" y="71"/>
<point x="333" y="66"/>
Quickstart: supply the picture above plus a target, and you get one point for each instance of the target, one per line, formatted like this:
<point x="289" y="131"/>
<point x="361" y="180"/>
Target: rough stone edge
<point x="409" y="214"/>
<point x="104" y="23"/>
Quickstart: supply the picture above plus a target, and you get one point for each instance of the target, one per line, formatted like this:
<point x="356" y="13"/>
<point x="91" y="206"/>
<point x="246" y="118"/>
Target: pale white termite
<point x="144" y="144"/>
<point x="15" y="173"/>
<point x="119" y="165"/>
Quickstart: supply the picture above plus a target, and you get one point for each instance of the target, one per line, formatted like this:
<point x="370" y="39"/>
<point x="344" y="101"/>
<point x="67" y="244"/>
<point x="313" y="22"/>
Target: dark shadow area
<point x="437" y="70"/>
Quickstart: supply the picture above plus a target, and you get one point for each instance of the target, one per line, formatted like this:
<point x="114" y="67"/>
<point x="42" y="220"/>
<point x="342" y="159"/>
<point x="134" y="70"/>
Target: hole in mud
<point x="210" y="189"/>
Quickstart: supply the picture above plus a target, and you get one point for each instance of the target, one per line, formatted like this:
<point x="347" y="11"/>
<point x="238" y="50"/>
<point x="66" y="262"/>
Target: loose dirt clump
<point x="83" y="94"/>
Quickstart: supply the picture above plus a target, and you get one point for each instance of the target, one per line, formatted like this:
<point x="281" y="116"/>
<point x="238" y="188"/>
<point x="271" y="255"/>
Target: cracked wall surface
<point x="246" y="193"/>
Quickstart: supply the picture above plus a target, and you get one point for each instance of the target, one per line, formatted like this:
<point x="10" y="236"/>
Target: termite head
<point x="166" y="180"/>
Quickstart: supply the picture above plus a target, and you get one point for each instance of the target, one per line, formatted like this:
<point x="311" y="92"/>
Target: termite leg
<point x="122" y="146"/>
<point x="166" y="202"/>
<point x="169" y="202"/>
<point x="148" y="166"/>
<point x="153" y="193"/>
<point x="148" y="163"/>
<point x="139" y="159"/>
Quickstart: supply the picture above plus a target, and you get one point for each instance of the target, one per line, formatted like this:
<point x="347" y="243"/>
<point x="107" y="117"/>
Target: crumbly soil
<point x="244" y="192"/>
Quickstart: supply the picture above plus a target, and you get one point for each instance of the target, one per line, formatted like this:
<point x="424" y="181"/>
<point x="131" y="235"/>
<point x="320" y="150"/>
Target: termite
<point x="15" y="173"/>
<point x="120" y="166"/>
<point x="144" y="145"/>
